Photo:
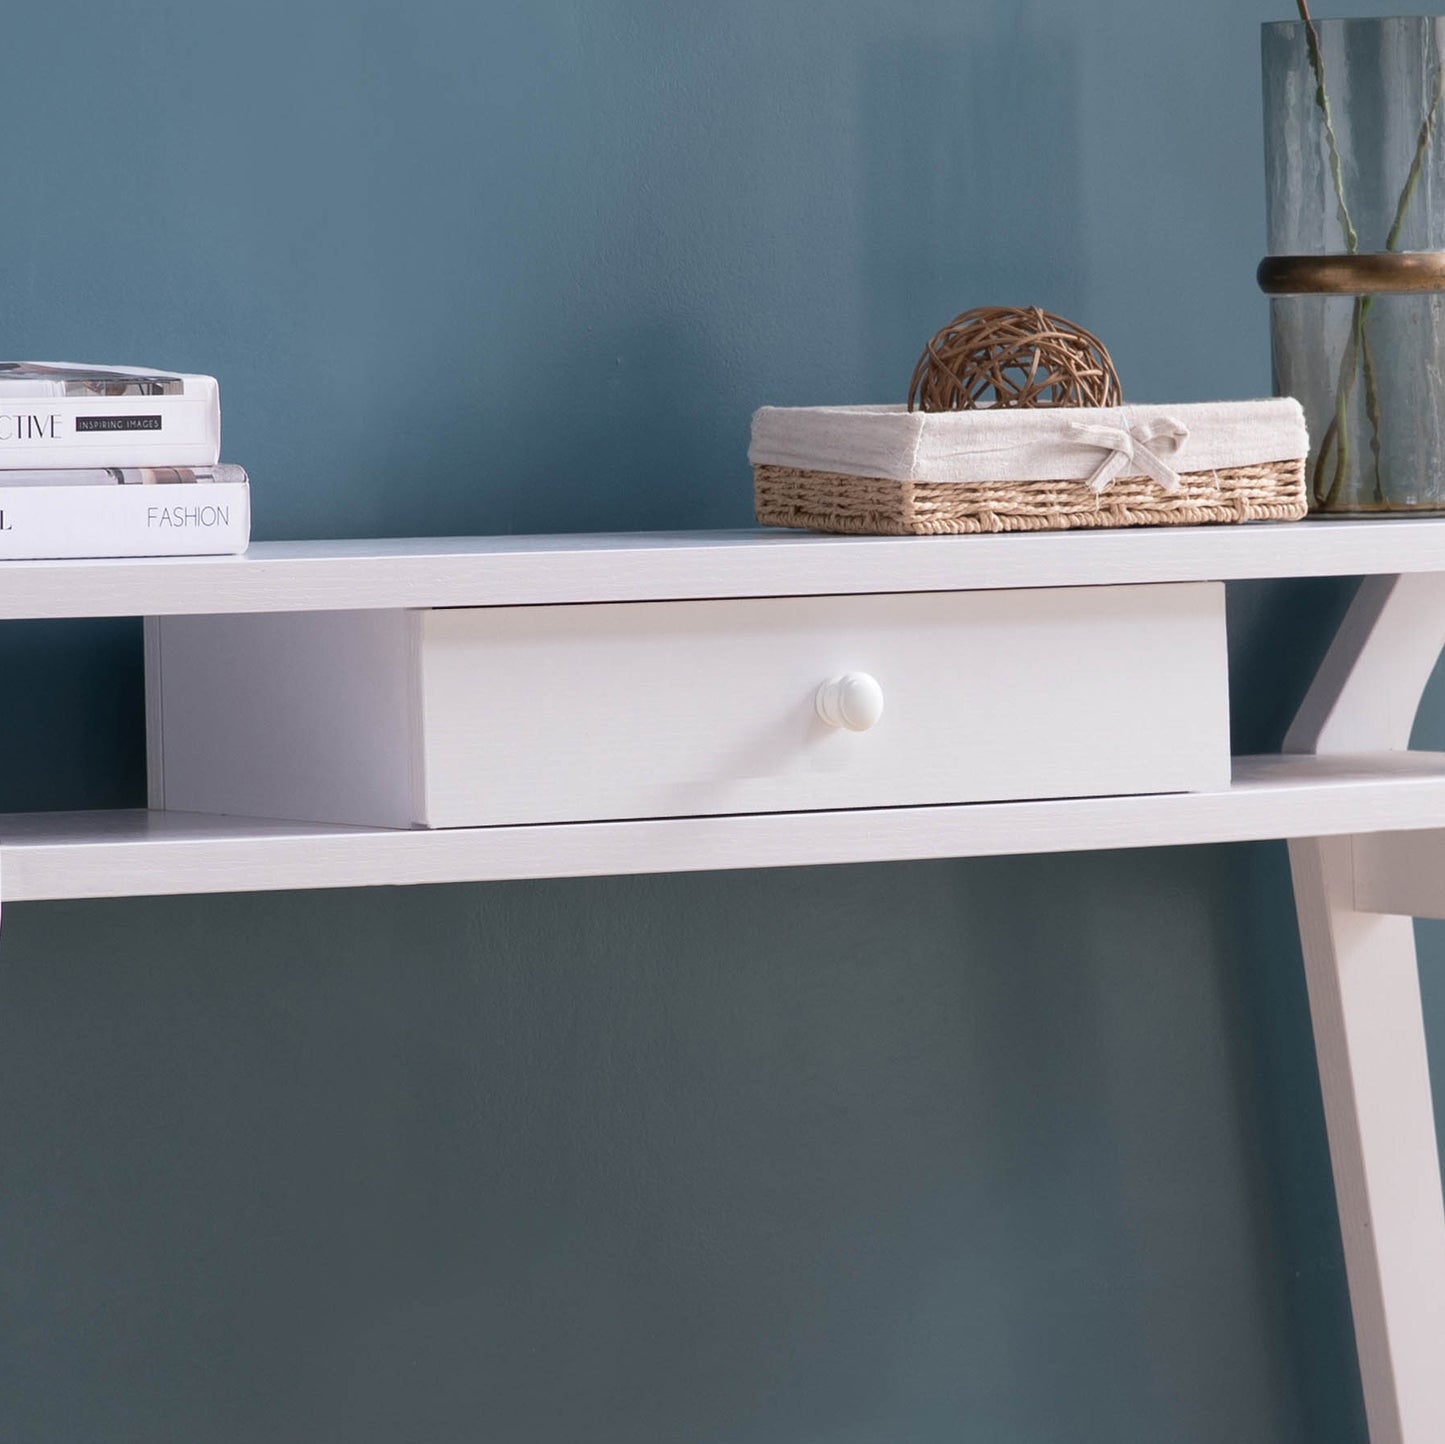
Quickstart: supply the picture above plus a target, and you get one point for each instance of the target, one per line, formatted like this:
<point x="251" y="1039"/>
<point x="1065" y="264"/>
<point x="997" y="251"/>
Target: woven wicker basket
<point x="876" y="506"/>
<point x="833" y="497"/>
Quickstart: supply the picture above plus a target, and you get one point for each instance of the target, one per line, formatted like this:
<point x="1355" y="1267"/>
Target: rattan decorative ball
<point x="1006" y="356"/>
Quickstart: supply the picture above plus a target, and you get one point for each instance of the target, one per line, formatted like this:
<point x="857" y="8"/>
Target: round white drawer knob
<point x="854" y="701"/>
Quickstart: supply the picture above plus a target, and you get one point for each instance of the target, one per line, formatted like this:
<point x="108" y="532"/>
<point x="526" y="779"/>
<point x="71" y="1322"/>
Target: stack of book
<point x="115" y="461"/>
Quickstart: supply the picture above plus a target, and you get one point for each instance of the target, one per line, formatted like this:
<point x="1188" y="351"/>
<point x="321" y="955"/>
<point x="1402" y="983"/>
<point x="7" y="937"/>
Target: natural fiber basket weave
<point x="886" y="470"/>
<point x="876" y="506"/>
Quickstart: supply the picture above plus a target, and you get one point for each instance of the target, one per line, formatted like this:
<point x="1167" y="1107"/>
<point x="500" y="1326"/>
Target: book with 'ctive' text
<point x="61" y="415"/>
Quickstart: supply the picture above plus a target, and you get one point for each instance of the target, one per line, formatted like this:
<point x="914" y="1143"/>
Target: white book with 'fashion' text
<point x="55" y="414"/>
<point x="124" y="512"/>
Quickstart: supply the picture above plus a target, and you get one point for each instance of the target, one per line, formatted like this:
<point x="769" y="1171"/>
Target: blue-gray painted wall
<point x="1000" y="1152"/>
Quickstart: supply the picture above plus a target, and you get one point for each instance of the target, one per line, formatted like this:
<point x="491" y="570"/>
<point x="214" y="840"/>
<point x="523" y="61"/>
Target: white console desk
<point x="1365" y="816"/>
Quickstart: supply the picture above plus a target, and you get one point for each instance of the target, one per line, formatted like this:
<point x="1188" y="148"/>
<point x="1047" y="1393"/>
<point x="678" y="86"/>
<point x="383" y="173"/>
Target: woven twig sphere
<point x="1002" y="356"/>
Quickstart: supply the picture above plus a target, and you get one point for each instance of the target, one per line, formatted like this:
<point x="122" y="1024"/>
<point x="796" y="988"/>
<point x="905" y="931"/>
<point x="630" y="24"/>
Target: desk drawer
<point x="477" y="716"/>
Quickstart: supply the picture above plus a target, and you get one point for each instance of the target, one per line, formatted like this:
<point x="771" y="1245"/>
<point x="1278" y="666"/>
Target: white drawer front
<point x="657" y="709"/>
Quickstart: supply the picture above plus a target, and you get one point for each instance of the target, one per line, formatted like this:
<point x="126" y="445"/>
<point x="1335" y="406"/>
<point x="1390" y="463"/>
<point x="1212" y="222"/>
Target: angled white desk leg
<point x="1364" y="995"/>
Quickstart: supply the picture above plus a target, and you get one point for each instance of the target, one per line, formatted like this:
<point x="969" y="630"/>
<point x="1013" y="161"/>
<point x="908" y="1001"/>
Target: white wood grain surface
<point x="1356" y="897"/>
<point x="665" y="709"/>
<point x="1364" y="990"/>
<point x="125" y="853"/>
<point x="1337" y="809"/>
<point x="501" y="571"/>
<point x="303" y="715"/>
<point x="483" y="716"/>
<point x="1400" y="873"/>
<point x="1365" y="695"/>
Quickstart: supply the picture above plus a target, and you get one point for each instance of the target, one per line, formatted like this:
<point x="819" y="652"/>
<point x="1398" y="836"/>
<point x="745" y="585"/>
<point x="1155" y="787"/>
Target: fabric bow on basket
<point x="1134" y="450"/>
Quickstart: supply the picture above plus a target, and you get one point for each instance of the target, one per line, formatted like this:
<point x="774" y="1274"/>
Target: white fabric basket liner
<point x="1058" y="444"/>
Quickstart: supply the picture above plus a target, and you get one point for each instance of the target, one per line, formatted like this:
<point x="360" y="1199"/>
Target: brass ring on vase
<point x="1364" y="273"/>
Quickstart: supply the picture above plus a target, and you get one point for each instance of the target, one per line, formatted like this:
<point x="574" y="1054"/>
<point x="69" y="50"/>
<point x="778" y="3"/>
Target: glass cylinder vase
<point x="1355" y="170"/>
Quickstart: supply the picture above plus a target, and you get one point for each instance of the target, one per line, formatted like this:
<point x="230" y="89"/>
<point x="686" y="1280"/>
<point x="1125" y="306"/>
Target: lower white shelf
<point x="140" y="853"/>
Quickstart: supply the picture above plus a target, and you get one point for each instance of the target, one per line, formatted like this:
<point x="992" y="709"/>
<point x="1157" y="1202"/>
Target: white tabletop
<point x="648" y="566"/>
